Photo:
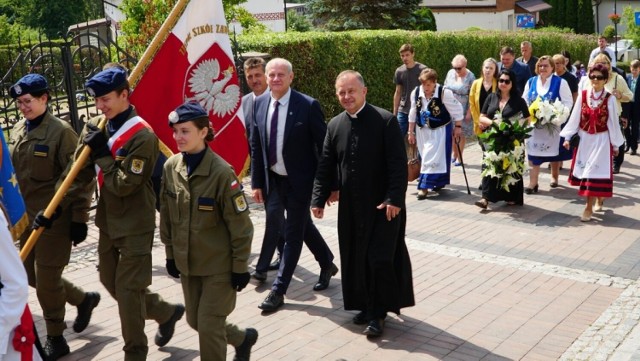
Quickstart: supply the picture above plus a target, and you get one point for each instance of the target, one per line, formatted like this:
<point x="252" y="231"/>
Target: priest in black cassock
<point x="365" y="146"/>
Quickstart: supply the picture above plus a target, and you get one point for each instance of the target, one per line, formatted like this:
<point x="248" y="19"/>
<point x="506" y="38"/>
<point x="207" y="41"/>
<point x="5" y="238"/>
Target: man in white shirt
<point x="602" y="47"/>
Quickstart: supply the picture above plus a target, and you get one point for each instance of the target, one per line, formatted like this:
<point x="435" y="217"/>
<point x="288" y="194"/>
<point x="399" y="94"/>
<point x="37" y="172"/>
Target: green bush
<point x="318" y="57"/>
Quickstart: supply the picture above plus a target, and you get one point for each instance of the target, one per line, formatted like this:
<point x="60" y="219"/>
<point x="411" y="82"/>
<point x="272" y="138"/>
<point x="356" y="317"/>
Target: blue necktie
<point x="273" y="137"/>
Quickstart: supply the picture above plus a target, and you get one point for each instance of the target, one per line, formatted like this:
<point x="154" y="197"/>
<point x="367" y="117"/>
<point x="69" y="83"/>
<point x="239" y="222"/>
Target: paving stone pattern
<point x="507" y="283"/>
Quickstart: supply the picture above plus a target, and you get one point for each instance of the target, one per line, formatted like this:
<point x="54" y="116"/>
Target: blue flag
<point x="10" y="193"/>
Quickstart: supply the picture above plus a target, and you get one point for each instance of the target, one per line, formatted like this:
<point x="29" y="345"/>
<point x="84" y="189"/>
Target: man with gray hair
<point x="527" y="57"/>
<point x="288" y="132"/>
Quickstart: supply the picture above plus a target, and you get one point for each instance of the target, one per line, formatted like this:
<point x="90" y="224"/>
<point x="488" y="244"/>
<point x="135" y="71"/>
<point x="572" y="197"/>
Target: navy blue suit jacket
<point x="304" y="134"/>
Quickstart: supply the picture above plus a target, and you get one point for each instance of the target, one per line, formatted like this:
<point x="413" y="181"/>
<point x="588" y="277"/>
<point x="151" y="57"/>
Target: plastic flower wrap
<point x="547" y="115"/>
<point x="504" y="149"/>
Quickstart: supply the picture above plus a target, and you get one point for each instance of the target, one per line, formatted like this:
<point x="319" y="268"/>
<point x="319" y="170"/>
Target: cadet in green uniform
<point x="41" y="147"/>
<point x="205" y="226"/>
<point x="125" y="153"/>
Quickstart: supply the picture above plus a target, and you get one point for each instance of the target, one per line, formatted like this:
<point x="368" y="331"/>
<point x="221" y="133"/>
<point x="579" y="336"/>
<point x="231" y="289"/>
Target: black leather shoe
<point x="272" y="303"/>
<point x="260" y="276"/>
<point x="361" y="318"/>
<point x="91" y="300"/>
<point x="616" y="170"/>
<point x="165" y="330"/>
<point x="325" y="278"/>
<point x="375" y="328"/>
<point x="633" y="152"/>
<point x="243" y="352"/>
<point x="275" y="265"/>
<point x="55" y="347"/>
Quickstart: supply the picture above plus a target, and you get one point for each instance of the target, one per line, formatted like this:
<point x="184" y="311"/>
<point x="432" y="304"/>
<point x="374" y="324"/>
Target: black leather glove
<point x="172" y="270"/>
<point x="97" y="141"/>
<point x="239" y="280"/>
<point x="78" y="232"/>
<point x="42" y="221"/>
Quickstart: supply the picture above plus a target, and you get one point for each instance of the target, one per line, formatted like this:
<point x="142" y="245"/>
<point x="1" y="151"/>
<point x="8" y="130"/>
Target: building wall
<point x="268" y="12"/>
<point x="606" y="7"/>
<point x="462" y="21"/>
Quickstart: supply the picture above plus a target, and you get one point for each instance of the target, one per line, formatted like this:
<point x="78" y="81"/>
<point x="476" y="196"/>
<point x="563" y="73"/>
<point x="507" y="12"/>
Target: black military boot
<point x="91" y="300"/>
<point x="55" y="347"/>
<point x="243" y="352"/>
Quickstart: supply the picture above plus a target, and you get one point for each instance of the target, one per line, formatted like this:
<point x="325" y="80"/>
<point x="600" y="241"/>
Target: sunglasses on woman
<point x="505" y="81"/>
<point x="596" y="77"/>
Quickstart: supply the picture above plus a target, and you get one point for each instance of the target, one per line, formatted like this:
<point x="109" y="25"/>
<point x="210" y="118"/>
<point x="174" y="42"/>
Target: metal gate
<point x="67" y="64"/>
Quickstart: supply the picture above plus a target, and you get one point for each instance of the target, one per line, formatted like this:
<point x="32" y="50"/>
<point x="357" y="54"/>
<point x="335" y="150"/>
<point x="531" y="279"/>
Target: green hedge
<point x="318" y="57"/>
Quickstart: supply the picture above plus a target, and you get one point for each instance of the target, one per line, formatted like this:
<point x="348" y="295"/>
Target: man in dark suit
<point x="288" y="132"/>
<point x="257" y="82"/>
<point x="522" y="71"/>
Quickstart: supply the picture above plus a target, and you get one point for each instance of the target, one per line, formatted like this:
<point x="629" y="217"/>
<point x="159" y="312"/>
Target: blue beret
<point x="30" y="83"/>
<point x="106" y="81"/>
<point x="188" y="111"/>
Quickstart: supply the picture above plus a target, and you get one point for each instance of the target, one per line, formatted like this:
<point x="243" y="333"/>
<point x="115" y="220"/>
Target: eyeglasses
<point x="457" y="68"/>
<point x="543" y="65"/>
<point x="505" y="81"/>
<point x="24" y="102"/>
<point x="596" y="77"/>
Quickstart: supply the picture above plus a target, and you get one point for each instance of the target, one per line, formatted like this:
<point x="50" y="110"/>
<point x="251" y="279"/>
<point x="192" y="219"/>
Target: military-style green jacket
<point x="40" y="157"/>
<point x="126" y="204"/>
<point x="204" y="218"/>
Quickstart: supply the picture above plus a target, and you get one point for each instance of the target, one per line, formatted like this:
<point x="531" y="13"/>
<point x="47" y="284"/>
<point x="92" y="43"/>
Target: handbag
<point x="413" y="165"/>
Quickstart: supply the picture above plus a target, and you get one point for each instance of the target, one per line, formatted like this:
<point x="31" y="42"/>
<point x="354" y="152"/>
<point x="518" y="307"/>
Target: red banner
<point x="196" y="63"/>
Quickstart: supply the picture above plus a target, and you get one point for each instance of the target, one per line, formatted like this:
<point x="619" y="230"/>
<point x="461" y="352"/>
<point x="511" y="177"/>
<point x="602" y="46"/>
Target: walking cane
<point x="462" y="163"/>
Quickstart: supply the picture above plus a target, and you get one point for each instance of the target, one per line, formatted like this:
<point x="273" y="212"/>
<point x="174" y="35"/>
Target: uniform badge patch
<point x="137" y="166"/>
<point x="206" y="204"/>
<point x="240" y="203"/>
<point x="41" y="150"/>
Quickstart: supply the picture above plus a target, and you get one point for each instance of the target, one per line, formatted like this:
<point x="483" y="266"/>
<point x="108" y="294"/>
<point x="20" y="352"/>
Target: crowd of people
<point x="535" y="102"/>
<point x="531" y="109"/>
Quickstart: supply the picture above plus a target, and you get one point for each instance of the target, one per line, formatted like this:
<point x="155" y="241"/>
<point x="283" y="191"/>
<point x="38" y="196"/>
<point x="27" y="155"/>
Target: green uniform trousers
<point x="52" y="290"/>
<point x="208" y="302"/>
<point x="125" y="271"/>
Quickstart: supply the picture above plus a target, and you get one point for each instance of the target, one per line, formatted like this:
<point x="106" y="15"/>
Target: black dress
<point x="491" y="189"/>
<point x="369" y="156"/>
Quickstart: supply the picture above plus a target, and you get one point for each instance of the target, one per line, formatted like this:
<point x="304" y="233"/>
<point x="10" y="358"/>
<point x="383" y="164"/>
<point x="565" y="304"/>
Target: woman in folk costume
<point x="545" y="145"/>
<point x="17" y="337"/>
<point x="595" y="120"/>
<point x="435" y="111"/>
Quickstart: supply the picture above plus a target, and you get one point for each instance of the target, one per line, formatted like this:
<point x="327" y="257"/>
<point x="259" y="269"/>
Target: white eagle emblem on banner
<point x="211" y="90"/>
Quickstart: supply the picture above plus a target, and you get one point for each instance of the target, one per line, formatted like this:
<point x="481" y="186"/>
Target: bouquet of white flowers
<point x="548" y="115"/>
<point x="504" y="149"/>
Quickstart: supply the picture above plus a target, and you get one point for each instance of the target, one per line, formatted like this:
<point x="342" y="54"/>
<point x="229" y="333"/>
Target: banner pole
<point x="136" y="73"/>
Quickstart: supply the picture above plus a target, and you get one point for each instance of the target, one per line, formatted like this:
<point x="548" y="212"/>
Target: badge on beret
<point x="17" y="89"/>
<point x="173" y="117"/>
<point x="91" y="92"/>
<point x="137" y="166"/>
<point x="240" y="203"/>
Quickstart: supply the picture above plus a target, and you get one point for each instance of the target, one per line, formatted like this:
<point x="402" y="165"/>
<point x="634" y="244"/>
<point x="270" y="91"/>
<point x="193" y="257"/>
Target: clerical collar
<point x="193" y="160"/>
<point x="33" y="123"/>
<point x="355" y="116"/>
<point x="114" y="124"/>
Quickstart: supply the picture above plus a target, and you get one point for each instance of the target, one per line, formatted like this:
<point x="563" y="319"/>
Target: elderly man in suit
<point x="288" y="133"/>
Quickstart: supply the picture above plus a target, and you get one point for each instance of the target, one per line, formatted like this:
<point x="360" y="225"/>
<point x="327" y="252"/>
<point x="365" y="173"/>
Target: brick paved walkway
<point x="508" y="283"/>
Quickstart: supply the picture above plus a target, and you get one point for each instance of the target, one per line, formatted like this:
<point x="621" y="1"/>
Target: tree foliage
<point x="633" y="30"/>
<point x="573" y="14"/>
<point x="52" y="17"/>
<point x="338" y="15"/>
<point x="144" y="18"/>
